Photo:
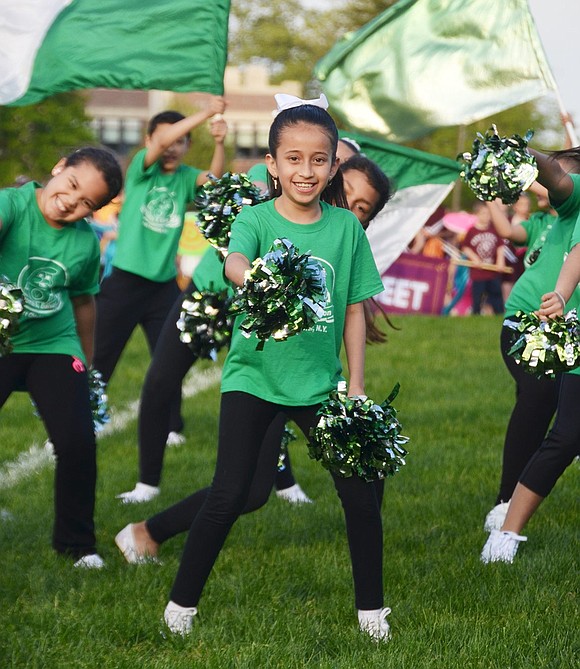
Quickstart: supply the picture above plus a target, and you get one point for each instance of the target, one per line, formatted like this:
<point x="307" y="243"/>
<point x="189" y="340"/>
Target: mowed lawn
<point x="281" y="592"/>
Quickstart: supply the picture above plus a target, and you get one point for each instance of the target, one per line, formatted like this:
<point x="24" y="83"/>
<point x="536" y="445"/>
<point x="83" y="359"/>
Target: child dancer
<point x="562" y="443"/>
<point x="52" y="254"/>
<point x="142" y="286"/>
<point x="367" y="190"/>
<point x="296" y="375"/>
<point x="548" y="240"/>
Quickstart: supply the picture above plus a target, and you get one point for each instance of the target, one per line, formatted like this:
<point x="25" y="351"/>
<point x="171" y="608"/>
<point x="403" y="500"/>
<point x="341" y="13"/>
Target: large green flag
<point x="422" y="181"/>
<point x="425" y="64"/>
<point x="50" y="46"/>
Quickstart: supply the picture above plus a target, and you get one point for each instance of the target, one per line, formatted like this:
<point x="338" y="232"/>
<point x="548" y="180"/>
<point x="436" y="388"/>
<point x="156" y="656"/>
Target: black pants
<point x="244" y="421"/>
<point x="127" y="300"/>
<point x="172" y="359"/>
<point x="490" y="288"/>
<point x="58" y="385"/>
<point x="561" y="445"/>
<point x="536" y="401"/>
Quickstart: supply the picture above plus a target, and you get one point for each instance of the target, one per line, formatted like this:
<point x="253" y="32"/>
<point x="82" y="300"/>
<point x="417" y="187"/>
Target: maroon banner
<point x="415" y="284"/>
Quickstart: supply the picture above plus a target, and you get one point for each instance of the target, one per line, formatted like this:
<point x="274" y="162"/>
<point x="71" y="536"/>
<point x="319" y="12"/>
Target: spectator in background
<point x="485" y="249"/>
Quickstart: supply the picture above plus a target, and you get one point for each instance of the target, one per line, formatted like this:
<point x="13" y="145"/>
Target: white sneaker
<point x="374" y="623"/>
<point x="93" y="561"/>
<point x="294" y="494"/>
<point x="179" y="619"/>
<point x="175" y="439"/>
<point x="501" y="546"/>
<point x="125" y="541"/>
<point x="495" y="518"/>
<point x="140" y="493"/>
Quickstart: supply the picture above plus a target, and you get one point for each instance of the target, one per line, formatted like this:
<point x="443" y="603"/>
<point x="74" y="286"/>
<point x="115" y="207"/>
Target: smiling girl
<point x="52" y="254"/>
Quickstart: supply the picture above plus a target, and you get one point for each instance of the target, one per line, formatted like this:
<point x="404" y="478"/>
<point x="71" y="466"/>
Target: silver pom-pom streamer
<point x="283" y="294"/>
<point x="99" y="400"/>
<point x="219" y="202"/>
<point x="11" y="307"/>
<point x="356" y="436"/>
<point x="499" y="167"/>
<point x="287" y="436"/>
<point x="205" y="323"/>
<point x="546" y="348"/>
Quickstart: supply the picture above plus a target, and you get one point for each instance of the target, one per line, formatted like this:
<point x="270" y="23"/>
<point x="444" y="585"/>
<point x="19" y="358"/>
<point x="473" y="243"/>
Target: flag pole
<point x="568" y="125"/>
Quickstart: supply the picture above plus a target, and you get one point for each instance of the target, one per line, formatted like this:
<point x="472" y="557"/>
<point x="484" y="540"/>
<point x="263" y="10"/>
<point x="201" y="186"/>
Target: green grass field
<point x="281" y="593"/>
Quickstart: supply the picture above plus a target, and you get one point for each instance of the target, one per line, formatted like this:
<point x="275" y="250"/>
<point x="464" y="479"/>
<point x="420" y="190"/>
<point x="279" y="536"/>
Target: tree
<point x="33" y="138"/>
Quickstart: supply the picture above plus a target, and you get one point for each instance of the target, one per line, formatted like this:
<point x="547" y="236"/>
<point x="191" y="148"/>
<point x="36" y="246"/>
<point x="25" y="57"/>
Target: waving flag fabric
<point x="50" y="46"/>
<point x="426" y="64"/>
<point x="422" y="181"/>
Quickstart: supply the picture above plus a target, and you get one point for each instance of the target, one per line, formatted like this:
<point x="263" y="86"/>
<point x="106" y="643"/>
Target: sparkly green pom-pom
<point x="283" y="294"/>
<point x="499" y="167"/>
<point x="356" y="436"/>
<point x="546" y="348"/>
<point x="11" y="308"/>
<point x="218" y="204"/>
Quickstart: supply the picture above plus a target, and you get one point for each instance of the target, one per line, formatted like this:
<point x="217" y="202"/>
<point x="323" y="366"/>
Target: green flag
<point x="50" y="46"/>
<point x="422" y="181"/>
<point x="425" y="64"/>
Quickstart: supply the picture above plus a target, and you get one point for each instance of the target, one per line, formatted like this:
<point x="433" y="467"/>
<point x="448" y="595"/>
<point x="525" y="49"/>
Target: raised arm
<point x="354" y="346"/>
<point x="553" y="177"/>
<point x="168" y="133"/>
<point x="515" y="233"/>
<point x="218" y="129"/>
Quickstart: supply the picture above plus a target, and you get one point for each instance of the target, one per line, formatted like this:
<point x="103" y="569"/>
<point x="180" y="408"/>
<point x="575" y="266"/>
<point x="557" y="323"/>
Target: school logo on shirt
<point x="161" y="212"/>
<point x="324" y="321"/>
<point x="41" y="281"/>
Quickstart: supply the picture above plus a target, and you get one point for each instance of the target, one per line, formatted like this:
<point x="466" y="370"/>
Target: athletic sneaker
<point x="294" y="494"/>
<point x="92" y="561"/>
<point x="501" y="546"/>
<point x="495" y="518"/>
<point x="140" y="493"/>
<point x="374" y="623"/>
<point x="175" y="439"/>
<point x="179" y="619"/>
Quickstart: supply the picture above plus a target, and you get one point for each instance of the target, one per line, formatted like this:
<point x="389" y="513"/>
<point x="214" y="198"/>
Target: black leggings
<point x="561" y="445"/>
<point x="127" y="300"/>
<point x="536" y="401"/>
<point x="244" y="421"/>
<point x="58" y="384"/>
<point x="172" y="359"/>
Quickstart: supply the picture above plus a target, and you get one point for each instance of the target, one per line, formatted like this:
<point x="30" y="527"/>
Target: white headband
<point x="284" y="101"/>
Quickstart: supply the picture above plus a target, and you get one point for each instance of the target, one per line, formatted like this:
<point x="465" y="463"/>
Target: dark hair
<point x="312" y="115"/>
<point x="376" y="178"/>
<point x="104" y="161"/>
<point x="164" y="117"/>
<point x="572" y="155"/>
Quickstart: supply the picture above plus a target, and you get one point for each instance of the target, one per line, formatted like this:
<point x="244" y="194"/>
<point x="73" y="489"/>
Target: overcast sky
<point x="558" y="22"/>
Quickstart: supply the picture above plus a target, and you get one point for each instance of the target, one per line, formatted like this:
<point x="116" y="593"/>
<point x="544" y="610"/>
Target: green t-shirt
<point x="303" y="369"/>
<point x="542" y="275"/>
<point x="151" y="218"/>
<point x="537" y="228"/>
<point x="209" y="273"/>
<point x="50" y="265"/>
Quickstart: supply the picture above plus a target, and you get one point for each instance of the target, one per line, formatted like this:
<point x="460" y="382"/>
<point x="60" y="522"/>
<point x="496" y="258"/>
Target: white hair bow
<point x="284" y="101"/>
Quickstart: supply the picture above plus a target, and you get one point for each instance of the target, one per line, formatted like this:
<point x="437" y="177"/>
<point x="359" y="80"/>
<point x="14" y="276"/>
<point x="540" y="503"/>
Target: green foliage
<point x="33" y="138"/>
<point x="280" y="594"/>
